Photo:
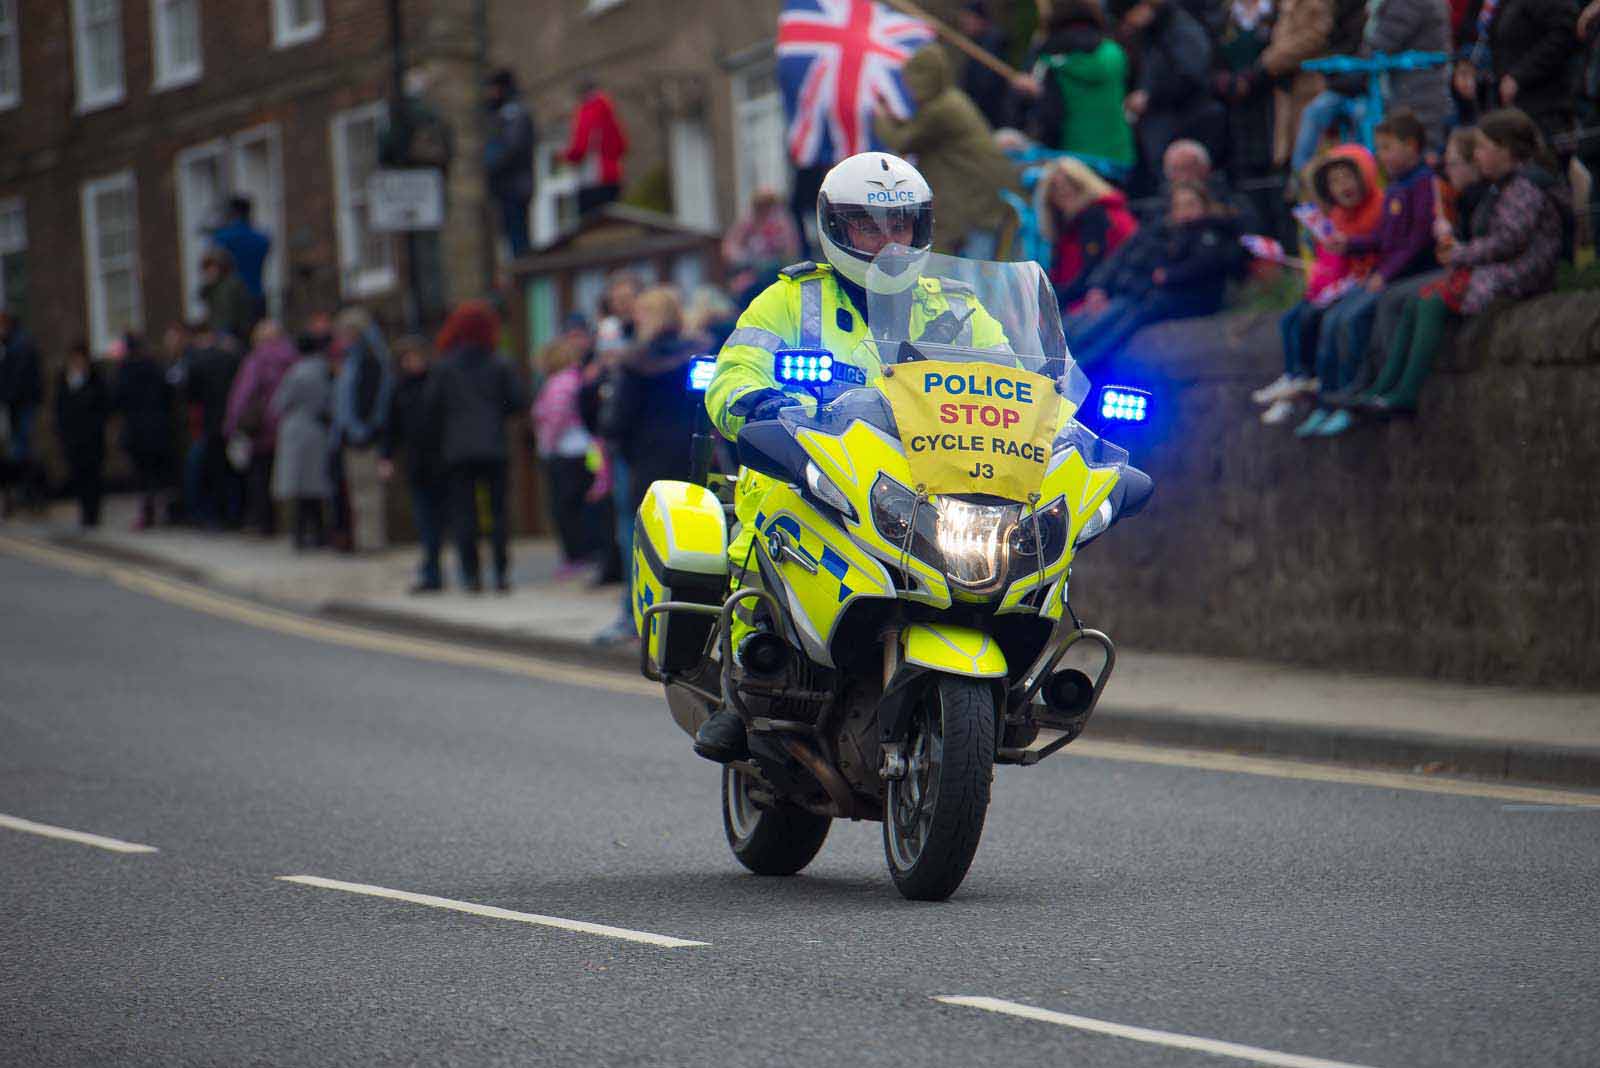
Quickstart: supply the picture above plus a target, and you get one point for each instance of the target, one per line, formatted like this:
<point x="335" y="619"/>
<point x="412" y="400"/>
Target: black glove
<point x="761" y="404"/>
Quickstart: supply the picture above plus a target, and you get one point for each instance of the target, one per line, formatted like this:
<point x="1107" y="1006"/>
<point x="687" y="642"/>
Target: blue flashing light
<point x="701" y="369"/>
<point x="804" y="367"/>
<point x="1124" y="405"/>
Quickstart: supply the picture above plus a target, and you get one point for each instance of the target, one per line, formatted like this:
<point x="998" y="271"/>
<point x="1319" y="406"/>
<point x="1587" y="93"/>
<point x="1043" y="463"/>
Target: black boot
<point x="721" y="738"/>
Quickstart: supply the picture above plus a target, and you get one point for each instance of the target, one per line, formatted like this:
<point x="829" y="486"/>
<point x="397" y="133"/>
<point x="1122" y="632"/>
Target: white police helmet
<point x="874" y="190"/>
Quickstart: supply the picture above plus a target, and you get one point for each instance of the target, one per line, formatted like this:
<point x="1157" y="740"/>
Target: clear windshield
<point x="924" y="306"/>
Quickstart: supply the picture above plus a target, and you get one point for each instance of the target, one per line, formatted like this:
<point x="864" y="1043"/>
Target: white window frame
<point x="11" y="244"/>
<point x="354" y="280"/>
<point x="99" y="329"/>
<point x="167" y="75"/>
<point x="269" y="134"/>
<point x="192" y="242"/>
<point x="10" y="98"/>
<point x="89" y="100"/>
<point x="228" y="152"/>
<point x="285" y="34"/>
<point x="553" y="183"/>
<point x="745" y="104"/>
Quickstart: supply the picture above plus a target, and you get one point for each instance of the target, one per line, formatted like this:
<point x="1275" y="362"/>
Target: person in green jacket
<point x="956" y="153"/>
<point x="1081" y="81"/>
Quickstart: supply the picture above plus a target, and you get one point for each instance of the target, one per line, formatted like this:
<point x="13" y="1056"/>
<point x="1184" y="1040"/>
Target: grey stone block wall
<point x="1460" y="544"/>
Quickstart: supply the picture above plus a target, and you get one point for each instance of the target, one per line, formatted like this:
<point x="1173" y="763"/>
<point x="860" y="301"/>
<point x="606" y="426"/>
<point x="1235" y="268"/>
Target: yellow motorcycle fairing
<point x="1079" y="490"/>
<point x="953" y="650"/>
<point x="853" y="461"/>
<point x="827" y="572"/>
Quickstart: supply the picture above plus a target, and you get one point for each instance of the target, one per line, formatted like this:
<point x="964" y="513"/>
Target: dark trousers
<point x="1093" y="338"/>
<point x="259" y="512"/>
<point x="213" y="487"/>
<point x="428" y="503"/>
<point x="88" y="487"/>
<point x="150" y="474"/>
<point x="569" y="480"/>
<point x="308" y="533"/>
<point x="465" y="478"/>
<point x="591" y="197"/>
<point x="514" y="222"/>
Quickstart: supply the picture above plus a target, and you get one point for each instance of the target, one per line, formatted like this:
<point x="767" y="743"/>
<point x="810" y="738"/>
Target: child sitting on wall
<point x="1403" y="245"/>
<point x="1517" y="242"/>
<point x="1345" y="181"/>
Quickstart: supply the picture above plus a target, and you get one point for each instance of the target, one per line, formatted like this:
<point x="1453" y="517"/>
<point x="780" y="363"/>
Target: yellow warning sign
<point x="974" y="427"/>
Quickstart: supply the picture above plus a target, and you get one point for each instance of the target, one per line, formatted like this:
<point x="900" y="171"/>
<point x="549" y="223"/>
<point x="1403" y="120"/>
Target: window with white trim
<point x="13" y="256"/>
<point x="555" y="194"/>
<point x="175" y="33"/>
<point x="202" y="187"/>
<point x="111" y="258"/>
<point x="366" y="257"/>
<point x="761" y="159"/>
<point x="97" y="52"/>
<point x="295" y="22"/>
<point x="247" y="164"/>
<point x="10" y="56"/>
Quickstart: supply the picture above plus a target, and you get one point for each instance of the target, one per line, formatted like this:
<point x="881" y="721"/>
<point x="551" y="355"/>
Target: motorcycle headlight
<point x="823" y="488"/>
<point x="1096" y="525"/>
<point x="1047" y="526"/>
<point x="975" y="541"/>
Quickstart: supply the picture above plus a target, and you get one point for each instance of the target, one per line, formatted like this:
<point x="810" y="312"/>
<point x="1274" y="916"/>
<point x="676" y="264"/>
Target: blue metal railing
<point x="1375" y="67"/>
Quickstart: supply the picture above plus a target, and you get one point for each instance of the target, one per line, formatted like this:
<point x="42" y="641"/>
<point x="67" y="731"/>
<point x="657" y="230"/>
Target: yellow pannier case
<point x="680" y="553"/>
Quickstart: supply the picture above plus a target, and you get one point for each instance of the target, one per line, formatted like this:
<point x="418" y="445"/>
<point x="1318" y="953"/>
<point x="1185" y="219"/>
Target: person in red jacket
<point x="597" y="144"/>
<point x="1085" y="219"/>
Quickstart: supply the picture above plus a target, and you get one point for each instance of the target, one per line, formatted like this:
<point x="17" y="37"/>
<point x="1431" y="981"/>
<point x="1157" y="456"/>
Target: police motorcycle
<point x="906" y="623"/>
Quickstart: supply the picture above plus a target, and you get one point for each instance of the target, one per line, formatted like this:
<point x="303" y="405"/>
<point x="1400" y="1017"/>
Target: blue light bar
<point x="803" y="366"/>
<point x="1123" y="405"/>
<point x="701" y="369"/>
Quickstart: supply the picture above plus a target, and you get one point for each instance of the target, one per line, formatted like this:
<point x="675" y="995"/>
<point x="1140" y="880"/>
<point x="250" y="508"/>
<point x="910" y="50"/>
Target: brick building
<point x="126" y="124"/>
<point x="695" y="84"/>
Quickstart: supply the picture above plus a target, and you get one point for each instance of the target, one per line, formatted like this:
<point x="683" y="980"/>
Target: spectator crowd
<point x="1151" y="153"/>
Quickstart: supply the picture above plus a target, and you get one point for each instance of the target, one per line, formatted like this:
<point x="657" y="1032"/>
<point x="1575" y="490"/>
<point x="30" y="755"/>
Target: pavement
<point x="354" y="855"/>
<point x="1239" y="705"/>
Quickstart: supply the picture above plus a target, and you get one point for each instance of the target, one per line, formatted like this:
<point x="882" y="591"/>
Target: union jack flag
<point x="836" y="58"/>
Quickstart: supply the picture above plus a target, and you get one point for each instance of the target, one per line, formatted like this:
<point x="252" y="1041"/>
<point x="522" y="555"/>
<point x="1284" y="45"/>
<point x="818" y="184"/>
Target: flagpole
<point x="958" y="39"/>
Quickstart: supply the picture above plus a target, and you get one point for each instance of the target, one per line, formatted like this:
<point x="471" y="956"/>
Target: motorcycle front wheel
<point x="933" y="817"/>
<point x="776" y="840"/>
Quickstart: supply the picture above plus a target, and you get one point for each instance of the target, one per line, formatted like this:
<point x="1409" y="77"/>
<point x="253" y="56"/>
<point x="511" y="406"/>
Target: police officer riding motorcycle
<point x="889" y="618"/>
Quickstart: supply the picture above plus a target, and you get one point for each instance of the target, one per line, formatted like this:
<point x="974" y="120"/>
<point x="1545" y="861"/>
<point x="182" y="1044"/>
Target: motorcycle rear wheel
<point x="769" y="841"/>
<point x="933" y="817"/>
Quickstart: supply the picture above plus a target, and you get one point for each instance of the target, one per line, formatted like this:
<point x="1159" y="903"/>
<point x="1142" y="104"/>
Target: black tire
<point x="768" y="841"/>
<point x="933" y="818"/>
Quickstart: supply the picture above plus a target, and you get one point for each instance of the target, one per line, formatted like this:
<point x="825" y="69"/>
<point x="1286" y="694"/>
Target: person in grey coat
<point x="303" y="406"/>
<point x="1414" y="26"/>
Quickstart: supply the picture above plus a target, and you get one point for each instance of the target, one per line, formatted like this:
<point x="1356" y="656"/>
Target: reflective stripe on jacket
<point x="810" y="310"/>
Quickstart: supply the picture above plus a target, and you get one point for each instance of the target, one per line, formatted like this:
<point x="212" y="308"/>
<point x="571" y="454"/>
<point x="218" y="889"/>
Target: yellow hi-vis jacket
<point x="807" y="308"/>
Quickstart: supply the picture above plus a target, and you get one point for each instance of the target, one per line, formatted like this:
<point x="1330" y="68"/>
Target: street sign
<point x="410" y="199"/>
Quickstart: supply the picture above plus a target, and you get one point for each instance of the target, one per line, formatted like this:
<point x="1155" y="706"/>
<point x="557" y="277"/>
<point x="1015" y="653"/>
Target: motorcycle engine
<point x="857" y="739"/>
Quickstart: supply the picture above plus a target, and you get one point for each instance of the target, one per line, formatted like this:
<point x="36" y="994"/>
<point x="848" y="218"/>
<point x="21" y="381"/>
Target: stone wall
<point x="1461" y="543"/>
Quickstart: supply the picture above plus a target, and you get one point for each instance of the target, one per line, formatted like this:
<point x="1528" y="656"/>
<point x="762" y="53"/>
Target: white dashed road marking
<point x="1143" y="1034"/>
<point x="99" y="841"/>
<point x="580" y="926"/>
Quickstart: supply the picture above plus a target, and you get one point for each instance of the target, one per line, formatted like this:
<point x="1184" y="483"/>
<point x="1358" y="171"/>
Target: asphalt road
<point x="1333" y="921"/>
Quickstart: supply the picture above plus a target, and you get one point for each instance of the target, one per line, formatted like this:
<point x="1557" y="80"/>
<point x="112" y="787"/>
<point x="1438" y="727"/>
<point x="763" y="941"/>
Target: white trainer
<point x="1280" y="412"/>
<point x="1275" y="390"/>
